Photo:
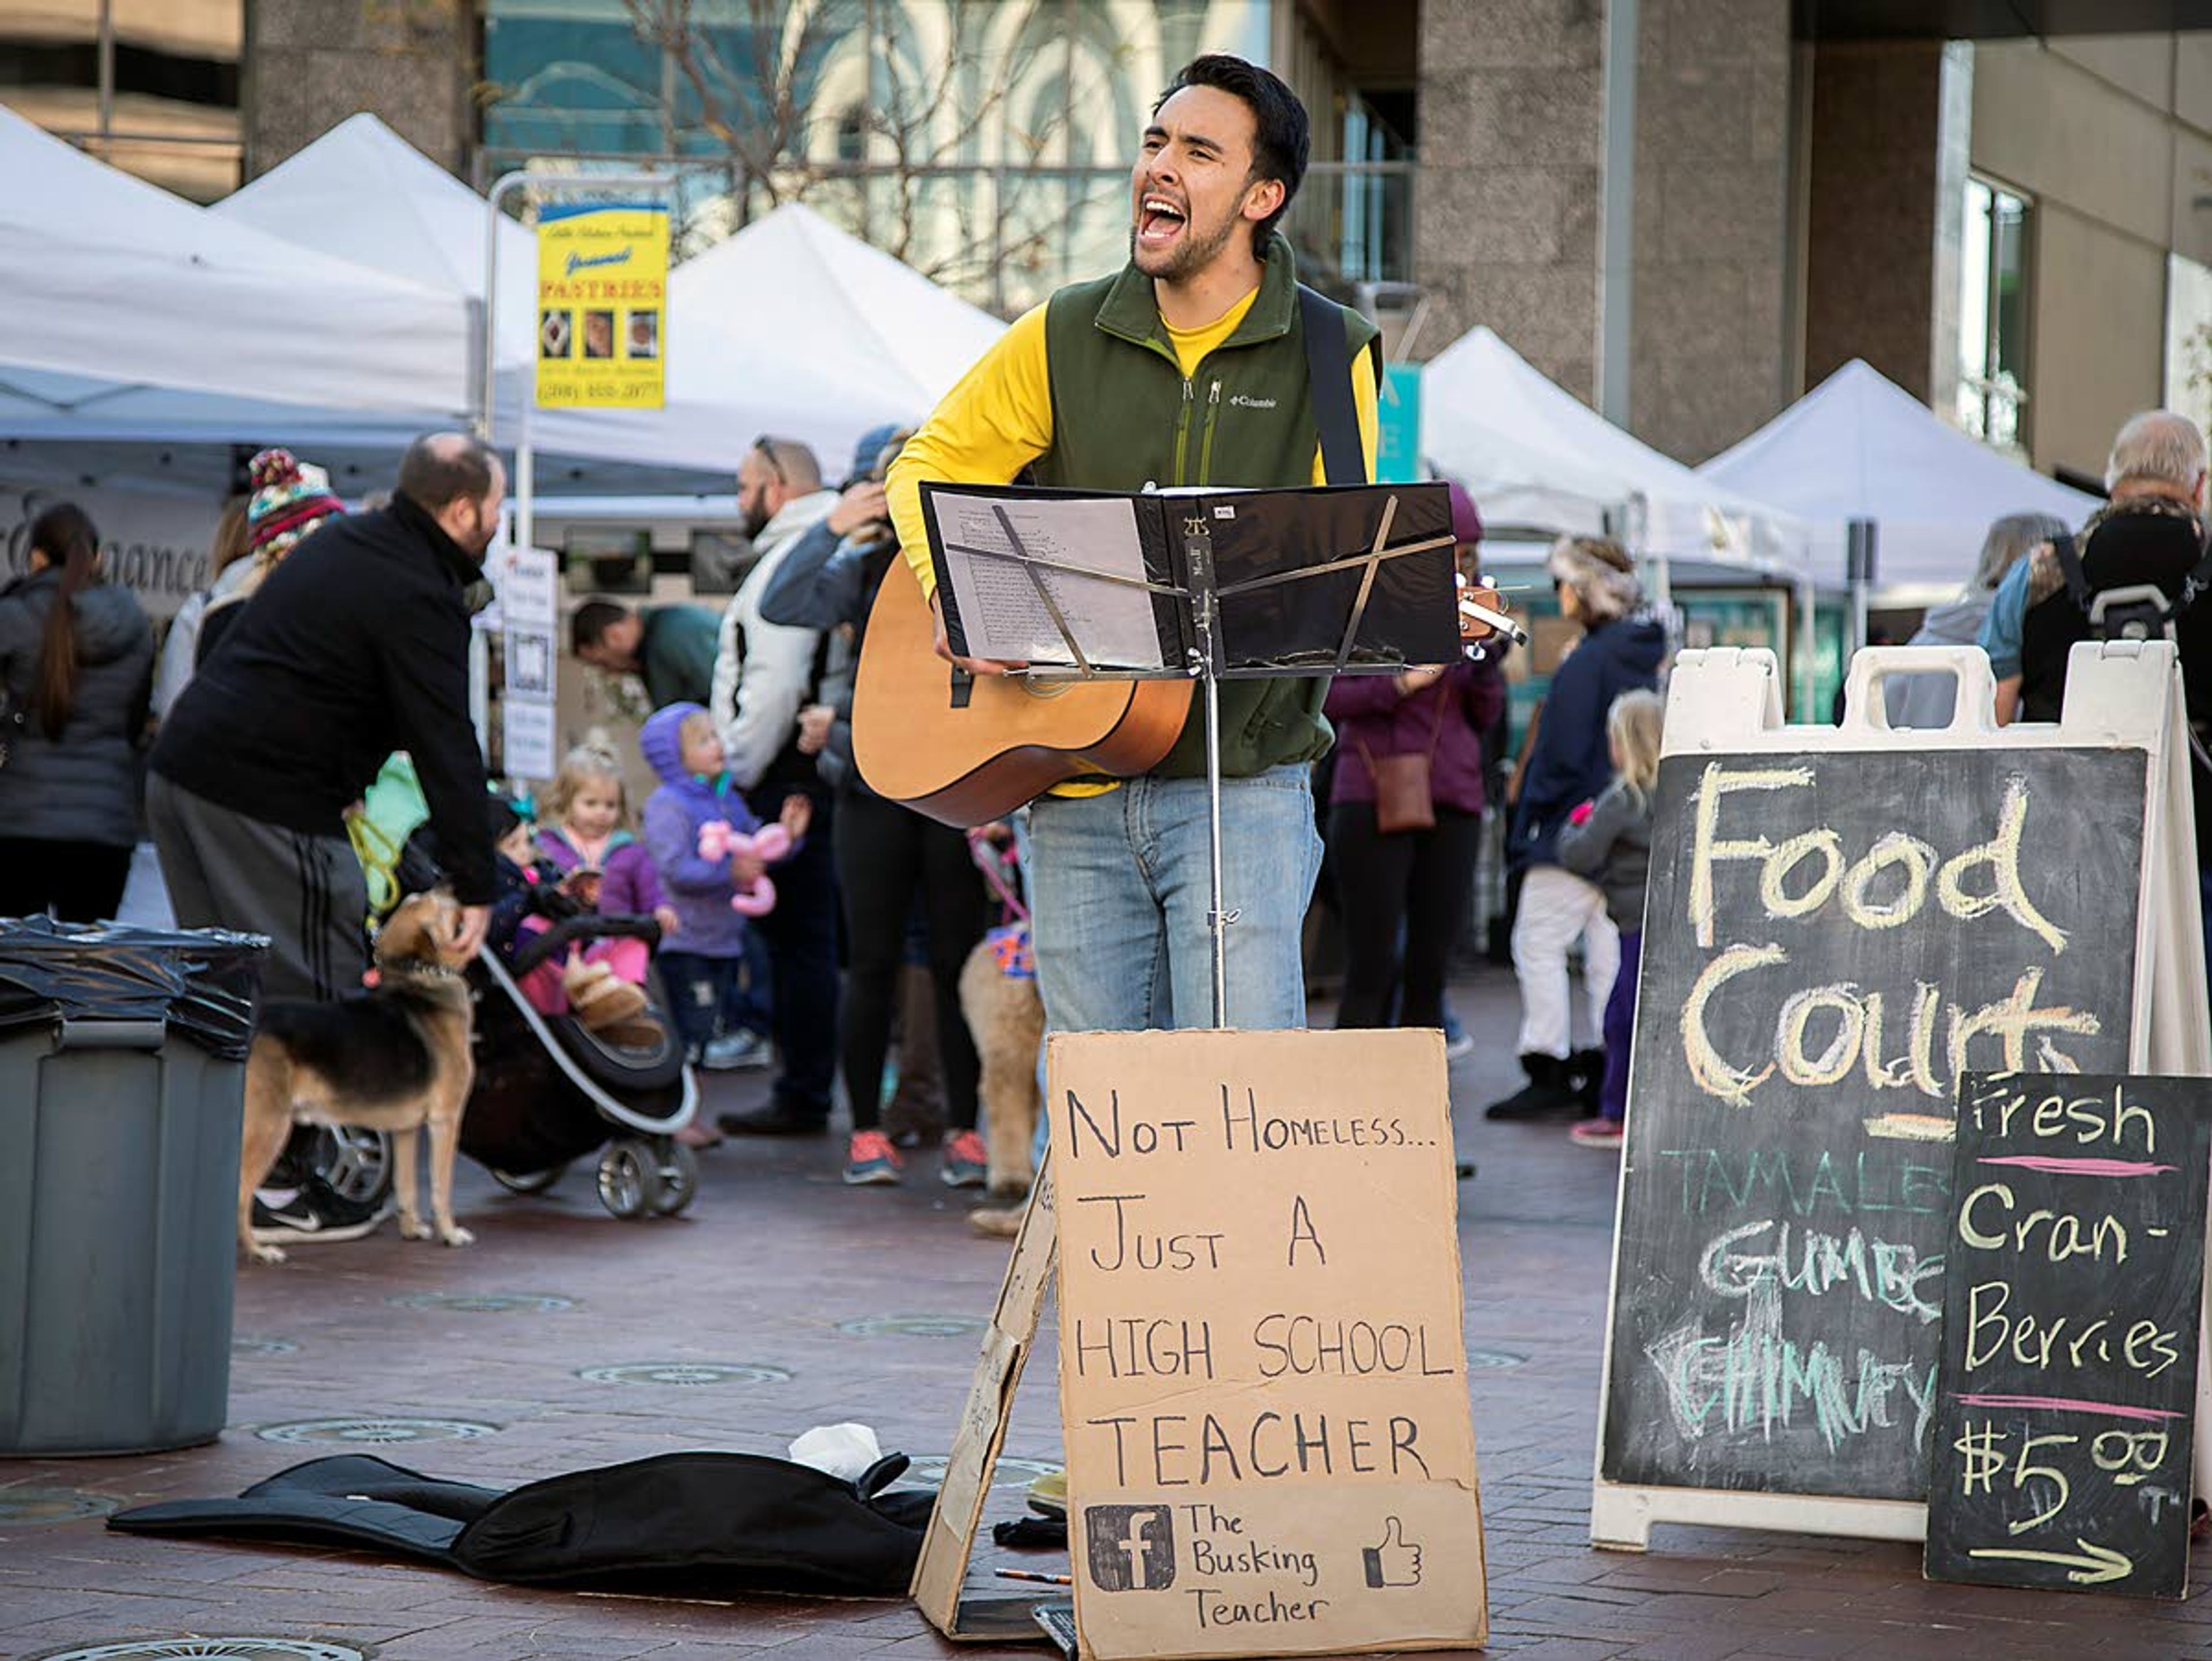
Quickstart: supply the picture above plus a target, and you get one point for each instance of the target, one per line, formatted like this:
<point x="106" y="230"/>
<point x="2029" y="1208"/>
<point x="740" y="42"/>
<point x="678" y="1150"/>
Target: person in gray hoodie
<point x="76" y="670"/>
<point x="1928" y="700"/>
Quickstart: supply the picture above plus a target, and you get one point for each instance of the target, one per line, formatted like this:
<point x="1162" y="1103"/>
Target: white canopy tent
<point x="790" y="327"/>
<point x="133" y="314"/>
<point x="1533" y="455"/>
<point x="1859" y="446"/>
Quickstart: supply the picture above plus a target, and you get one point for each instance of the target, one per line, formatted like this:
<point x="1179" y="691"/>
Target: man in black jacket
<point x="356" y="645"/>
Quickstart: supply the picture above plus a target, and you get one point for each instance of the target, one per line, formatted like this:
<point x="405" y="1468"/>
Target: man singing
<point x="1188" y="367"/>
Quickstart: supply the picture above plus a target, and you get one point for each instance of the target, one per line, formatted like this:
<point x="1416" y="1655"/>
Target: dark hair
<point x="1281" y="140"/>
<point x="64" y="534"/>
<point x="589" y="626"/>
<point x="440" y="468"/>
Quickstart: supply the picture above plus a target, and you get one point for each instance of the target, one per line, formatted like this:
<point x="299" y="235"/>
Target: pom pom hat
<point x="290" y="499"/>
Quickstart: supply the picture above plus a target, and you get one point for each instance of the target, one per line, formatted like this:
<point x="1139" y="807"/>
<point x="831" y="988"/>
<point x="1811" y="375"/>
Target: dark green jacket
<point x="1123" y="417"/>
<point x="675" y="653"/>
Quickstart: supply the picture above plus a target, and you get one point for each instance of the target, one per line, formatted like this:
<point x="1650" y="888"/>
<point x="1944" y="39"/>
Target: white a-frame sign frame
<point x="2119" y="696"/>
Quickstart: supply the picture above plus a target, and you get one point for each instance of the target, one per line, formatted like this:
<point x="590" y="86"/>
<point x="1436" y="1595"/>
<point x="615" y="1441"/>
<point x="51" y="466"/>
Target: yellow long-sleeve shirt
<point x="999" y="419"/>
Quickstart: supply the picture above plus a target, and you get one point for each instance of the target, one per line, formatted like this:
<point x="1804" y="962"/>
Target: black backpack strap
<point x="2199" y="580"/>
<point x="1328" y="368"/>
<point x="2070" y="566"/>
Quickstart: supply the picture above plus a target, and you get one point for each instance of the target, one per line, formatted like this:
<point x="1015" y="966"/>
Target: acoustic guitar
<point x="965" y="749"/>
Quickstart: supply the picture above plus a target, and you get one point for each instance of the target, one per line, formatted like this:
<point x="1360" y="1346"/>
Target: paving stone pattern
<point x="780" y="1269"/>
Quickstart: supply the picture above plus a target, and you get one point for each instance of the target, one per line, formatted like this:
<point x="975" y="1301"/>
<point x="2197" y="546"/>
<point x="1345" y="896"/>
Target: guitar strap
<point x="1328" y="370"/>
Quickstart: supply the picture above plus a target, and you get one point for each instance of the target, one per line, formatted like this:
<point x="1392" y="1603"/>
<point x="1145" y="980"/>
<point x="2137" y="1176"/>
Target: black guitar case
<point x="678" y="1525"/>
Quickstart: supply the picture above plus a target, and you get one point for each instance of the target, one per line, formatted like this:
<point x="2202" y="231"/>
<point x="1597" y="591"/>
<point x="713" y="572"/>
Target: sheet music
<point x="1000" y="611"/>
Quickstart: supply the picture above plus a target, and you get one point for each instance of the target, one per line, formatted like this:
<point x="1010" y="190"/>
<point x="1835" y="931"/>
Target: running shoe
<point x="315" y="1213"/>
<point x="966" y="1162"/>
<point x="871" y="1161"/>
<point x="736" y="1051"/>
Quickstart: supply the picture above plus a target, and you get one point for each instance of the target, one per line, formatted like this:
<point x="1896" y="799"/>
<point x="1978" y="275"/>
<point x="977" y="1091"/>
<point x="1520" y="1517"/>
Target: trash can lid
<point x="202" y="982"/>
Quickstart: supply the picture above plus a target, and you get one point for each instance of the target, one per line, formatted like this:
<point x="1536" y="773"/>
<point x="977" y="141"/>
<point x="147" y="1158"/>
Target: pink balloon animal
<point x="719" y="840"/>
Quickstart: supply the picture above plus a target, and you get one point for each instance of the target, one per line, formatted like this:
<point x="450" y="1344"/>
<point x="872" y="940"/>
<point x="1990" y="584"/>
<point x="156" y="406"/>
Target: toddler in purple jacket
<point x="680" y="744"/>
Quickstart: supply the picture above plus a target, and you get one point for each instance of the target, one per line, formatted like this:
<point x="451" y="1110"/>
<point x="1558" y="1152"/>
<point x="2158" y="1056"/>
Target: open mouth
<point x="1160" y="220"/>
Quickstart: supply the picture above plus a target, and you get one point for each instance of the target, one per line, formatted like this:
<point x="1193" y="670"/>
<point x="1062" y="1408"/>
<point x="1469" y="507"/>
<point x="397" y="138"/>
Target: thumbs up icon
<point x="1393" y="1563"/>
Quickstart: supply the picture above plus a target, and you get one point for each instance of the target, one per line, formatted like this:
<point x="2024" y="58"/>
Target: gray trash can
<point x="122" y="1064"/>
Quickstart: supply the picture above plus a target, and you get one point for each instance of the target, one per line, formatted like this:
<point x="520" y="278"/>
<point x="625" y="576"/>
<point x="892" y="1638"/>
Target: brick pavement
<point x="773" y="1258"/>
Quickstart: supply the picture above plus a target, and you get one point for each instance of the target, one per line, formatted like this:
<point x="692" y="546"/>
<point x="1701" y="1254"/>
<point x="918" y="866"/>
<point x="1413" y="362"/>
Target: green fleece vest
<point x="1123" y="417"/>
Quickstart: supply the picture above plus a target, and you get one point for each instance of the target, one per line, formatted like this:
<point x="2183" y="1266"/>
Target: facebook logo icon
<point x="1132" y="1547"/>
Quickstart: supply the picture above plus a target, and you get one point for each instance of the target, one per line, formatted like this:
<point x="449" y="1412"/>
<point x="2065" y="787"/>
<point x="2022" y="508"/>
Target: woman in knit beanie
<point x="291" y="498"/>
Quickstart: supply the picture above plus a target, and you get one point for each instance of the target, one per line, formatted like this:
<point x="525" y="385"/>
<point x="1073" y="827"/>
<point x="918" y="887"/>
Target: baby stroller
<point x="550" y="1090"/>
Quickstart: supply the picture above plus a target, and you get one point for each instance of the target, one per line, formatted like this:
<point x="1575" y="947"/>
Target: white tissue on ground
<point x="841" y="1450"/>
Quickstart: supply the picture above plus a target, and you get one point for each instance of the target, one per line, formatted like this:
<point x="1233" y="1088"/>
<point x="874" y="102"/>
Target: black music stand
<point x="1208" y="585"/>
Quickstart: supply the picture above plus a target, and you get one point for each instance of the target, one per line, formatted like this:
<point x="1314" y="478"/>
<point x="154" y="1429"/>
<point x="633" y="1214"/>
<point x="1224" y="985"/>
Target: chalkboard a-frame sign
<point x="1839" y="922"/>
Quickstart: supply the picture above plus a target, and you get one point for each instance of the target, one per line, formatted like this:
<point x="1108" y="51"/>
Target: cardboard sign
<point x="1263" y="1386"/>
<point x="2075" y="1271"/>
<point x="941" y="1571"/>
<point x="602" y="306"/>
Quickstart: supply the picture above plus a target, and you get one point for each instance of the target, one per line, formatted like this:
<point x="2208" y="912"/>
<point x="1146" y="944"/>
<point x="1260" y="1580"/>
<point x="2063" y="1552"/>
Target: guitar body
<point x="969" y="756"/>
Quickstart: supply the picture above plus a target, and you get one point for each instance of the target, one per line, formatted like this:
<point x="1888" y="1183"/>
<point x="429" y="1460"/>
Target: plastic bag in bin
<point x="202" y="982"/>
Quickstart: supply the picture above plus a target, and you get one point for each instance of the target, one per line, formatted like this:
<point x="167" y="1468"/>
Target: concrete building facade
<point x="1685" y="211"/>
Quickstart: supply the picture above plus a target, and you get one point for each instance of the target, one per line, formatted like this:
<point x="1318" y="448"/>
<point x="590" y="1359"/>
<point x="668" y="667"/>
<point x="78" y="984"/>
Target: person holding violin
<point x="1405" y="818"/>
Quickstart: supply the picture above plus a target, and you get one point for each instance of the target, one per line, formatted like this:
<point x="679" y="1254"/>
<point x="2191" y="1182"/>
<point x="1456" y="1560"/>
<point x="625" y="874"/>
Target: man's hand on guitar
<point x="972" y="665"/>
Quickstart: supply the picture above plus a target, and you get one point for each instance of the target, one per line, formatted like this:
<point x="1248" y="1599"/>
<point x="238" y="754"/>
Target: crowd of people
<point x="788" y="898"/>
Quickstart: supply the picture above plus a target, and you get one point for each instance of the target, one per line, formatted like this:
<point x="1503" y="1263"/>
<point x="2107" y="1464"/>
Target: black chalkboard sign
<point x="2061" y="1452"/>
<point x="1832" y="939"/>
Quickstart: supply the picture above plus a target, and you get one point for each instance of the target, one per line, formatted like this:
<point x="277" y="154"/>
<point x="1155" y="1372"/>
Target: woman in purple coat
<point x="1404" y="893"/>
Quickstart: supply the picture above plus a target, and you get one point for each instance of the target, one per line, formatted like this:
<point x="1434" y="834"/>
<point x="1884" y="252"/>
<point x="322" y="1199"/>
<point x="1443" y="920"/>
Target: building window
<point x="2189" y="339"/>
<point x="151" y="86"/>
<point x="1993" y="318"/>
<point x="987" y="143"/>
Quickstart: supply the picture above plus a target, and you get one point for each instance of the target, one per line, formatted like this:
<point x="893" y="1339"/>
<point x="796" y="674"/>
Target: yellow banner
<point x="602" y="312"/>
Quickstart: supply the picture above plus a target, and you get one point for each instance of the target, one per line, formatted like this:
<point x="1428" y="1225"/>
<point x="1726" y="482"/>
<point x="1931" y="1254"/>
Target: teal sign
<point x="1398" y="426"/>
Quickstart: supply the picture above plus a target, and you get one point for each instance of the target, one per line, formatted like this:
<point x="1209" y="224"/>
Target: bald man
<point x="356" y="645"/>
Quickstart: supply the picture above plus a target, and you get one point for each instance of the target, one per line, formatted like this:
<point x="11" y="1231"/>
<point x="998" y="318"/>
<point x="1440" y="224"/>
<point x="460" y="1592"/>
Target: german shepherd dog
<point x="394" y="1057"/>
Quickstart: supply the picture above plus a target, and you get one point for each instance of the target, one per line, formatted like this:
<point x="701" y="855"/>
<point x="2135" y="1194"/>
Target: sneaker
<point x="316" y="1212"/>
<point x="996" y="1222"/>
<point x="871" y="1161"/>
<point x="967" y="1164"/>
<point x="1458" y="1041"/>
<point x="1549" y="1093"/>
<point x="733" y="1051"/>
<point x="1598" y="1133"/>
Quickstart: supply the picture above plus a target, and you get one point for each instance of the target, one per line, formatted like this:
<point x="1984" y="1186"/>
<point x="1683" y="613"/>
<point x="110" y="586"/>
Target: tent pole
<point x="525" y="479"/>
<point x="1806" y="625"/>
<point x="1860" y="536"/>
<point x="487" y="390"/>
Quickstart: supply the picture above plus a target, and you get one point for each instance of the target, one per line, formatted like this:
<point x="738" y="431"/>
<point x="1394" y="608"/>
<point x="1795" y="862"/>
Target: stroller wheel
<point x="532" y="1182"/>
<point x="355" y="1162"/>
<point x="677" y="1168"/>
<point x="628" y="1177"/>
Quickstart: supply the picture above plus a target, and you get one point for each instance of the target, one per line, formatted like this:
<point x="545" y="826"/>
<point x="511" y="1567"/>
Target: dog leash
<point x="990" y="861"/>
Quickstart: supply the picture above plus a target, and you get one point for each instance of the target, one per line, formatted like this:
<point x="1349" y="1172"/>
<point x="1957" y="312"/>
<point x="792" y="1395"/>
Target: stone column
<point x="1872" y="236"/>
<point x="310" y="63"/>
<point x="1707" y="353"/>
<point x="1506" y="192"/>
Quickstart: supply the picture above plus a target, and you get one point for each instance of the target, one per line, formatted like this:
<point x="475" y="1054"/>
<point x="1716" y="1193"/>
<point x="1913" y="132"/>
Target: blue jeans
<point x="1120" y="887"/>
